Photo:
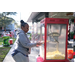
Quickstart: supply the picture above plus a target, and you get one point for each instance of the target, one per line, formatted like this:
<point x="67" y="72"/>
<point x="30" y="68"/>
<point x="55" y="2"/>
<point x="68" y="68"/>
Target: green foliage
<point x="1" y="41"/>
<point x="9" y="13"/>
<point x="4" y="20"/>
<point x="71" y="35"/>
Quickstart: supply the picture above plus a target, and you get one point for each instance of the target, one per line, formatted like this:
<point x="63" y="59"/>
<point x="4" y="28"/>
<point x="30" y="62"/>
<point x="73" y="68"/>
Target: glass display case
<point x="56" y="37"/>
<point x="53" y="35"/>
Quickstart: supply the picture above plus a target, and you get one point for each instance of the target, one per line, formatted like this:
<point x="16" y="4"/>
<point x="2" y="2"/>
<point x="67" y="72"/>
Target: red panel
<point x="56" y="60"/>
<point x="45" y="38"/>
<point x="57" y="20"/>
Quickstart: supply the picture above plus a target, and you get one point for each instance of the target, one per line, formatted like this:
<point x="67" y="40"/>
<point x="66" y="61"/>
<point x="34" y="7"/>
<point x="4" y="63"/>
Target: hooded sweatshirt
<point x="23" y="43"/>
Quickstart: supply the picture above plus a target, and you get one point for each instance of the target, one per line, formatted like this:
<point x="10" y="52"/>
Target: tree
<point x="4" y="20"/>
<point x="9" y="13"/>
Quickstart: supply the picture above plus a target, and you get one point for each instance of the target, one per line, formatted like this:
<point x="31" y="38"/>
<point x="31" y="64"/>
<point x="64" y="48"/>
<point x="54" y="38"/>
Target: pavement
<point x="32" y="56"/>
<point x="1" y="45"/>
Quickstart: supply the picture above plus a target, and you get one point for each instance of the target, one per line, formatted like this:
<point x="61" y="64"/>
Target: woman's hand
<point x="38" y="44"/>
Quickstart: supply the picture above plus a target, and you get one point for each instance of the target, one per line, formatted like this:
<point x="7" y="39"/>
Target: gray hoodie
<point x="23" y="43"/>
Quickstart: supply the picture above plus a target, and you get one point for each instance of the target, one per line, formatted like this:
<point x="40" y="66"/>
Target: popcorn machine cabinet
<point x="53" y="34"/>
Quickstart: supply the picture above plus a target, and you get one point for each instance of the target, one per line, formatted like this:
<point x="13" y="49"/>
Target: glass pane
<point x="56" y="37"/>
<point x="37" y="32"/>
<point x="42" y="40"/>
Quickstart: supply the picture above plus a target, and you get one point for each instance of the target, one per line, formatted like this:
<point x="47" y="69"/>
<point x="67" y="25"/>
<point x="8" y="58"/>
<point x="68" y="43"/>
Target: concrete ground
<point x="1" y="45"/>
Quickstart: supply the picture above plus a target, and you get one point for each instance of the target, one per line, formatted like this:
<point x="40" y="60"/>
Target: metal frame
<point x="55" y="21"/>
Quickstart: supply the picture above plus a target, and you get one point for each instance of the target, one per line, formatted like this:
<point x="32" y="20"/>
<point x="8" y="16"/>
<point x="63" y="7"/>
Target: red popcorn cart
<point x="53" y="35"/>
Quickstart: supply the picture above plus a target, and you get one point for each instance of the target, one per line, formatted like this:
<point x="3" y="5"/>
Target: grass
<point x="1" y="41"/>
<point x="4" y="50"/>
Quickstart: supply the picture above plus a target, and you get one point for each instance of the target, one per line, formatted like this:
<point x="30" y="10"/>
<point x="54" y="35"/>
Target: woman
<point x="23" y="44"/>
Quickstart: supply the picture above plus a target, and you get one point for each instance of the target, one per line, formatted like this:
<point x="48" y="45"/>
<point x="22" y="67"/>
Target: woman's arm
<point x="23" y="40"/>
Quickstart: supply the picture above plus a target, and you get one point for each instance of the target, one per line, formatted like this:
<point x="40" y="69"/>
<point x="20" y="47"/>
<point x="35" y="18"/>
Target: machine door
<point x="56" y="41"/>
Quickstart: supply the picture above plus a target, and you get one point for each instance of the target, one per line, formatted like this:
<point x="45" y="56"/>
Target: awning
<point x="33" y="14"/>
<point x="37" y="16"/>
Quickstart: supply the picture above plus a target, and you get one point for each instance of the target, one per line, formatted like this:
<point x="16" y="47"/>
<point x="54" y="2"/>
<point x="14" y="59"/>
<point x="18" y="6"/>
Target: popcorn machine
<point x="53" y="34"/>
